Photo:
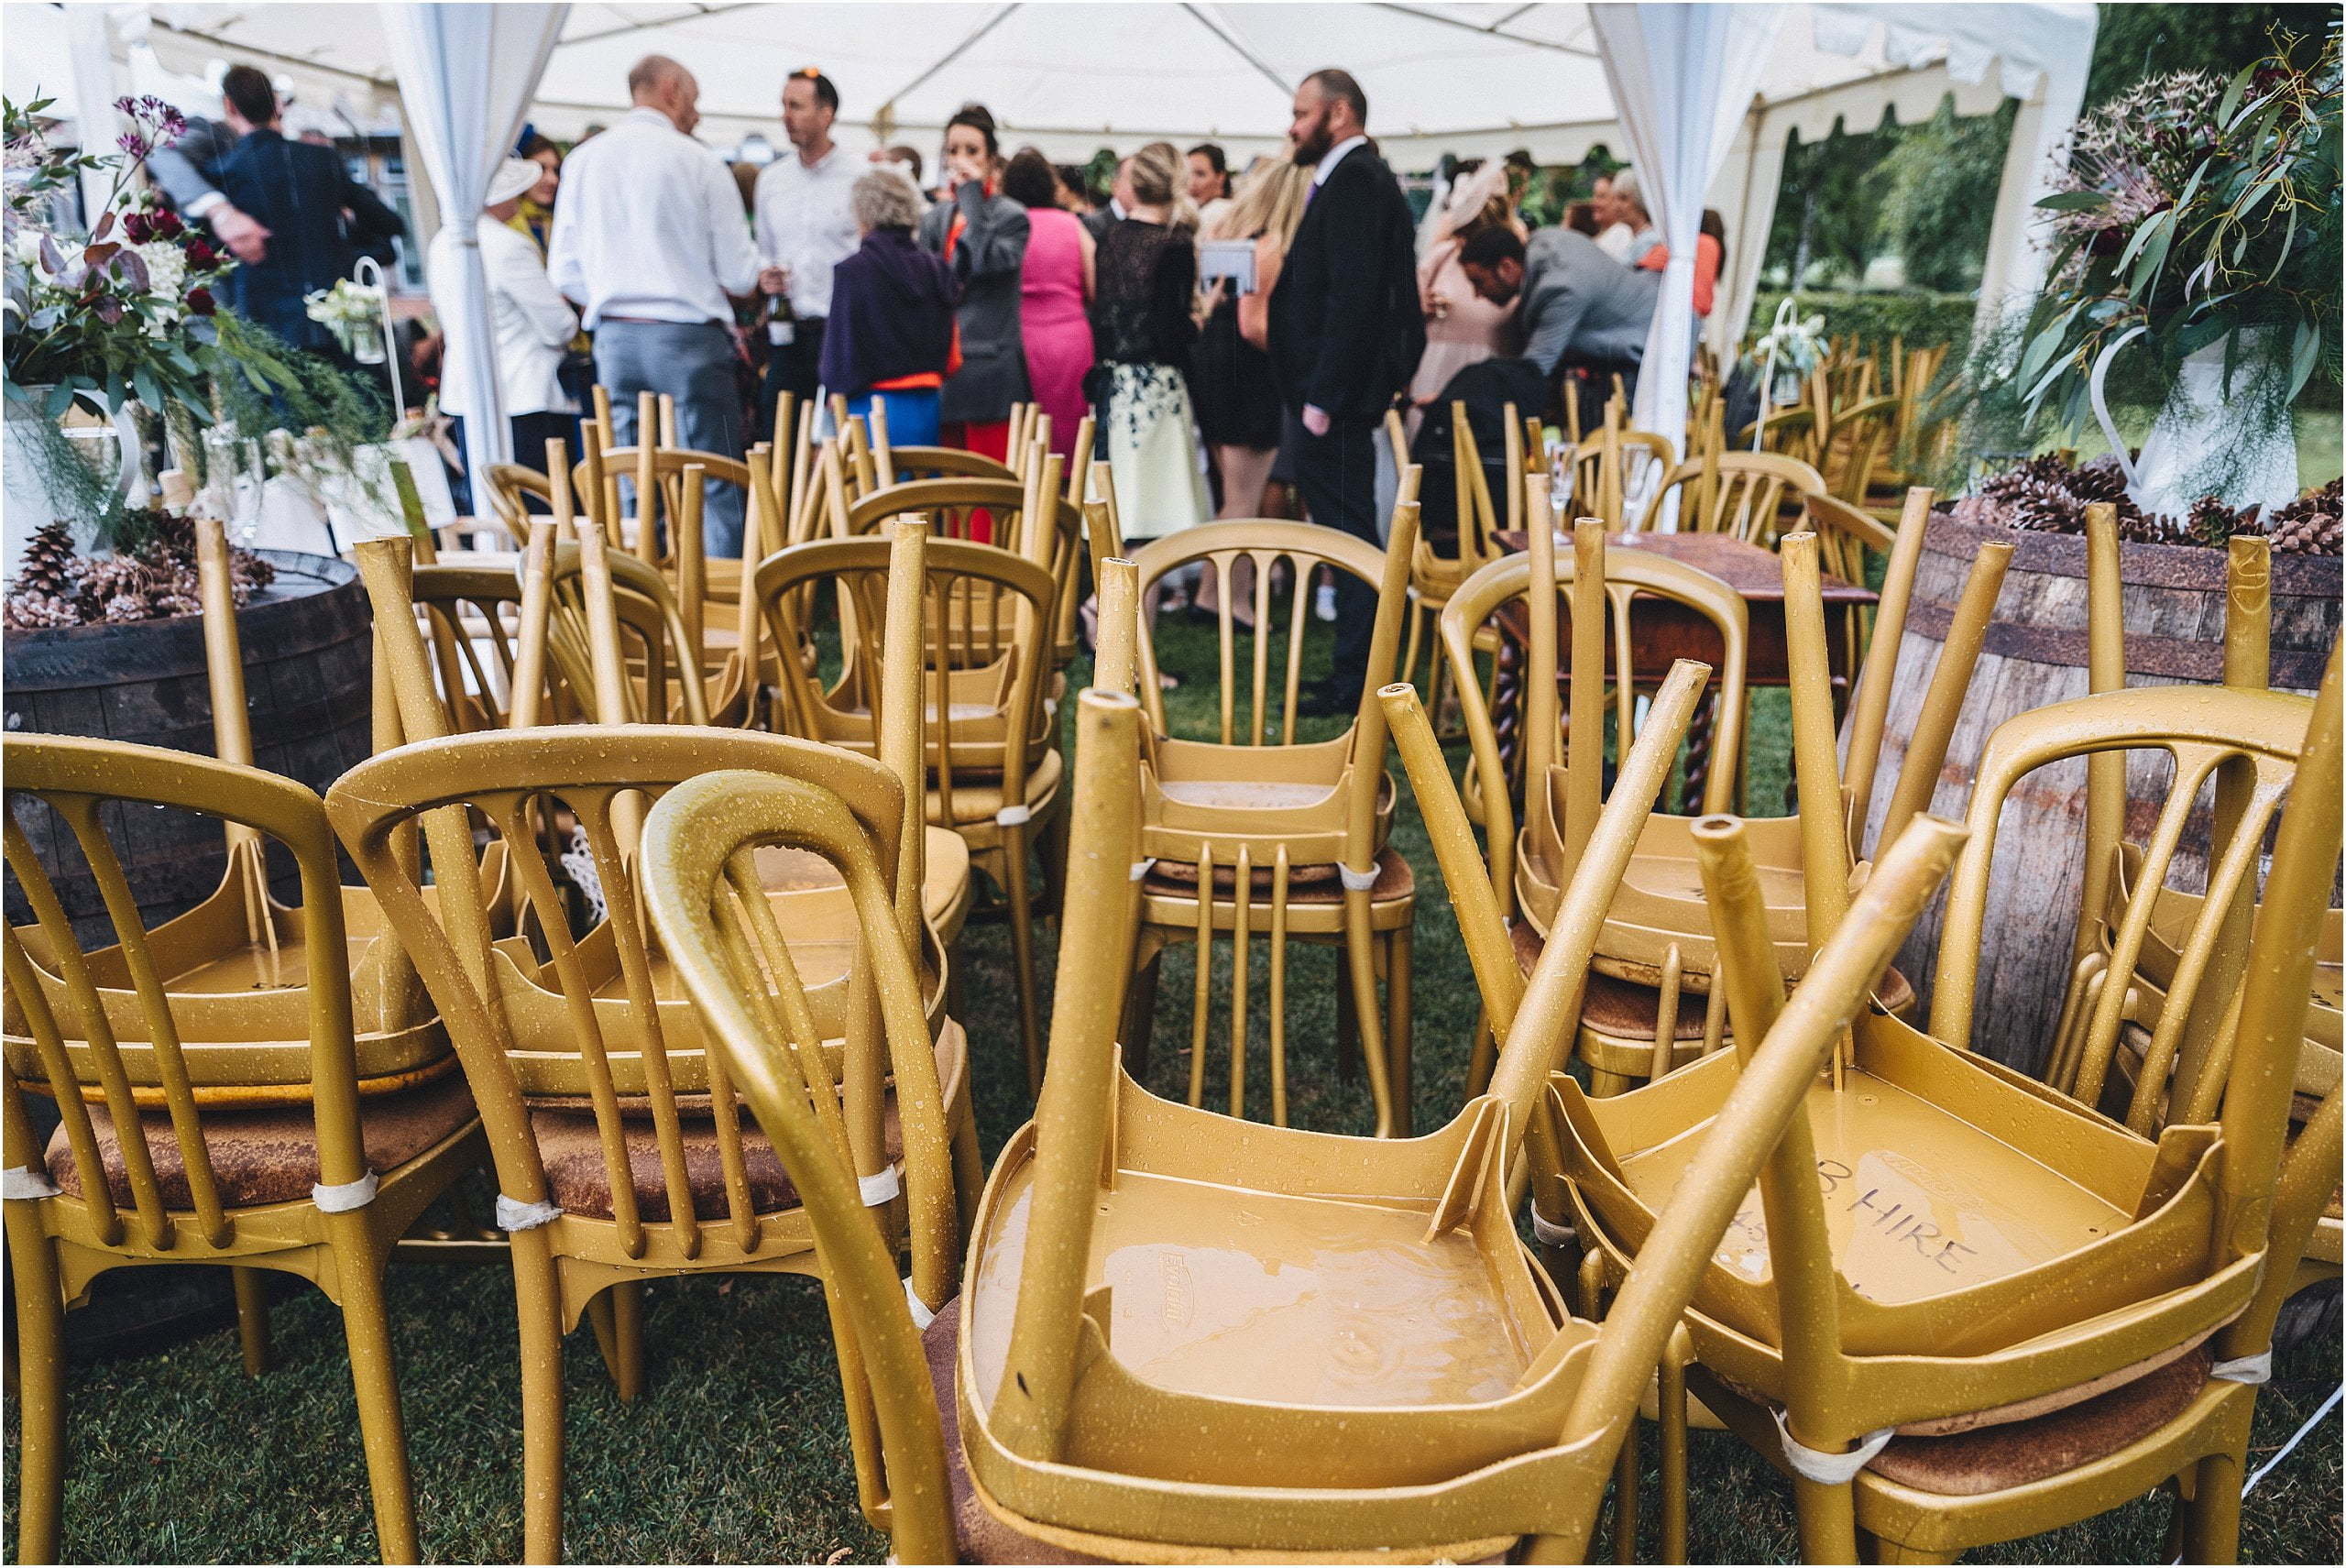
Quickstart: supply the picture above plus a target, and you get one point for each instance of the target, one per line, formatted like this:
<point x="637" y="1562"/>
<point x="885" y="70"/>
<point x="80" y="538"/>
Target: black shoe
<point x="1326" y="700"/>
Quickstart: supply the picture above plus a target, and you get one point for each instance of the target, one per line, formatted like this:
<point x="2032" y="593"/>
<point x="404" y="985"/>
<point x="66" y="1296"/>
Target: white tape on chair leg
<point x="1356" y="881"/>
<point x="1830" y="1469"/>
<point x="21" y="1182"/>
<point x="922" y="1316"/>
<point x="2249" y="1369"/>
<point x="512" y="1214"/>
<point x="1013" y="816"/>
<point x="1142" y="867"/>
<point x="341" y="1197"/>
<point x="1548" y="1234"/>
<point x="880" y="1188"/>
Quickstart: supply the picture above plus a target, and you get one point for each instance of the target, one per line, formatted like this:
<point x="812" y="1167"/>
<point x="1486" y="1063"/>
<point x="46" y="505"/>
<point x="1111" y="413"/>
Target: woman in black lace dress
<point x="1141" y="328"/>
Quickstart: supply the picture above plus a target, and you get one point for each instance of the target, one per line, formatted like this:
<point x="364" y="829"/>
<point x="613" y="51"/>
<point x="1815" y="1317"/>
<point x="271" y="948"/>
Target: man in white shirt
<point x="651" y="241"/>
<point x="805" y="229"/>
<point x="532" y="321"/>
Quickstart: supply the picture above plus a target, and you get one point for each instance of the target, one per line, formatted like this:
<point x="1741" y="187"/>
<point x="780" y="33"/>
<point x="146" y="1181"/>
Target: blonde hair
<point x="1269" y="199"/>
<point x="1157" y="172"/>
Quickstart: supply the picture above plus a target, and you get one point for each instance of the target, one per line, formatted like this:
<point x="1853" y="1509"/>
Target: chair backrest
<point x="511" y="486"/>
<point x="1631" y="580"/>
<point x="607" y="595"/>
<point x="659" y="475"/>
<point x="1032" y="517"/>
<point x="1751" y="494"/>
<point x="1268" y="544"/>
<point x="84" y="1050"/>
<point x="1862" y="433"/>
<point x="913" y="463"/>
<point x="1618" y="473"/>
<point x="2243" y="743"/>
<point x="478" y="617"/>
<point x="985" y="658"/>
<point x="1785" y="431"/>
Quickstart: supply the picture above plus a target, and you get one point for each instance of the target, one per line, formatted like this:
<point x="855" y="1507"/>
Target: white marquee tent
<point x="1705" y="95"/>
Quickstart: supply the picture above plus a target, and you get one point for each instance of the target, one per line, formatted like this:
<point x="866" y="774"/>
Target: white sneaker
<point x="1323" y="601"/>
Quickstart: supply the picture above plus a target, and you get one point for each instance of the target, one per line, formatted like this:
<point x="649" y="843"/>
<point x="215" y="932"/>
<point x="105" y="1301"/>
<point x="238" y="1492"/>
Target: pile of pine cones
<point x="58" y="586"/>
<point x="2050" y="494"/>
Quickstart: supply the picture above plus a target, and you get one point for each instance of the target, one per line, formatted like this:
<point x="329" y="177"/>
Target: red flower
<point x="199" y="300"/>
<point x="137" y="227"/>
<point x="200" y="256"/>
<point x="166" y="223"/>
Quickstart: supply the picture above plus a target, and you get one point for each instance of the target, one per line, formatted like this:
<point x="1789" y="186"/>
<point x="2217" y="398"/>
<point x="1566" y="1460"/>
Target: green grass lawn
<point x="739" y="1452"/>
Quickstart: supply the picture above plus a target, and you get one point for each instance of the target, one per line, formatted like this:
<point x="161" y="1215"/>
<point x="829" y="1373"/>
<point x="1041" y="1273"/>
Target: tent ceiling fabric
<point x="1074" y="77"/>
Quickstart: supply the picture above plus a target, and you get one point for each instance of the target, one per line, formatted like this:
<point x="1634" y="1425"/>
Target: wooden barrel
<point x="2034" y="654"/>
<point x="308" y="683"/>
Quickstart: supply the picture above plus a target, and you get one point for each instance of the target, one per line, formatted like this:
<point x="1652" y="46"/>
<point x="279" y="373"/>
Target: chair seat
<point x="978" y="796"/>
<point x="1998" y="1458"/>
<point x="981" y="1535"/>
<point x="570" y="1145"/>
<point x="1305" y="884"/>
<point x="262" y="1157"/>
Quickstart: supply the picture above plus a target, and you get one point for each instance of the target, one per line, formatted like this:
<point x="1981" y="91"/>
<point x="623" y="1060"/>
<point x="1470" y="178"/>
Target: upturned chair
<point x="2173" y="1041"/>
<point x="1030" y="517"/>
<point x="1260" y="823"/>
<point x="983" y="664"/>
<point x="1964" y="1309"/>
<point x="1108" y="1394"/>
<point x="615" y="1134"/>
<point x="1618" y="473"/>
<point x="272" y="1133"/>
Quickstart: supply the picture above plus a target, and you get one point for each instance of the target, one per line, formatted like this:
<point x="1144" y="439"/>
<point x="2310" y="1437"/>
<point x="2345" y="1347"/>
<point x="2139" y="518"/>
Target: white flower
<point x="166" y="268"/>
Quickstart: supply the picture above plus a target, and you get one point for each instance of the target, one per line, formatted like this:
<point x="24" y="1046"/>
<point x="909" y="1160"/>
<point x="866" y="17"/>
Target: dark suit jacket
<point x="299" y="193"/>
<point x="988" y="259"/>
<point x="1345" y="327"/>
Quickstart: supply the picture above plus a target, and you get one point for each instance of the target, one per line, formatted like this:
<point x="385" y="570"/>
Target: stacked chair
<point x="1098" y="1389"/>
<point x="293" y="1089"/>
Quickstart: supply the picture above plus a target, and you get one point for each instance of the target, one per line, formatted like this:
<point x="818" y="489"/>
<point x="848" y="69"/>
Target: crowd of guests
<point x="1227" y="329"/>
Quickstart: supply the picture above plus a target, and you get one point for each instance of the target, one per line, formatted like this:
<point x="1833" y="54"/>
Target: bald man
<point x="651" y="242"/>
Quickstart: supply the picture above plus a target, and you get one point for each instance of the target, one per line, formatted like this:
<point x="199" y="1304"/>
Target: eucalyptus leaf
<point x="2073" y="201"/>
<point x="2307" y="353"/>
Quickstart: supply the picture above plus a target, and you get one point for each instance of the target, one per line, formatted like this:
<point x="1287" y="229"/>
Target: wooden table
<point x="1667" y="632"/>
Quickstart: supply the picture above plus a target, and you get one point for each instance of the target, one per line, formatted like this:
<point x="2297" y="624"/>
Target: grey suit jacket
<point x="1580" y="304"/>
<point x="987" y="262"/>
<point x="184" y="170"/>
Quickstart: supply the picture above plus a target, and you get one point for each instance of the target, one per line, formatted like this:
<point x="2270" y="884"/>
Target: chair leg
<point x="1140" y="1007"/>
<point x="969" y="1163"/>
<point x="1347" y="1036"/>
<point x="2212" y="1514"/>
<point x="1201" y="993"/>
<point x="1482" y="1056"/>
<point x="537" y="1295"/>
<point x="1022" y="944"/>
<point x="1279" y="988"/>
<point x="1828" y="1521"/>
<point x="1669" y="1398"/>
<point x="1242" y="919"/>
<point x="1624" y="1494"/>
<point x="1360" y="950"/>
<point x="1398" y="944"/>
<point x="366" y="1328"/>
<point x="1052" y="851"/>
<point x="617" y="1318"/>
<point x="252" y="1319"/>
<point x="40" y="1387"/>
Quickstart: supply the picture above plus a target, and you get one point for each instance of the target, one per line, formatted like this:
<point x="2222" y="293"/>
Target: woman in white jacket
<point x="534" y="323"/>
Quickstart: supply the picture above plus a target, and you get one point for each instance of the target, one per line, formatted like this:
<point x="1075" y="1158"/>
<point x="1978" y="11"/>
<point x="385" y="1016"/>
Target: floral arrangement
<point x="129" y="312"/>
<point x="2196" y="211"/>
<point x="352" y="312"/>
<point x="58" y="586"/>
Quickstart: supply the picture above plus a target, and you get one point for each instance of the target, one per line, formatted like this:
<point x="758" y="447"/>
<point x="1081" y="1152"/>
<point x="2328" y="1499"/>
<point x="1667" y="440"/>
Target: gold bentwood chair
<point x="1260" y="824"/>
<point x="1183" y="1337"/>
<point x="1992" y="1311"/>
<point x="984" y="661"/>
<point x="1618" y="473"/>
<point x="273" y="1133"/>
<point x="616" y="1136"/>
<point x="2114" y="882"/>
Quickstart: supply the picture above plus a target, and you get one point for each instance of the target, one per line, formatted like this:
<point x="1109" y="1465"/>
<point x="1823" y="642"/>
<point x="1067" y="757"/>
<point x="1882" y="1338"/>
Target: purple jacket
<point x="891" y="314"/>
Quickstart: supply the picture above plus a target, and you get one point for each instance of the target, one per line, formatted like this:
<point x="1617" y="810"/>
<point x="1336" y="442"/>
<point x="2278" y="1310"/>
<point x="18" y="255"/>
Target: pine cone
<point x="124" y="608"/>
<point x="2308" y="525"/>
<point x="31" y="611"/>
<point x="49" y="561"/>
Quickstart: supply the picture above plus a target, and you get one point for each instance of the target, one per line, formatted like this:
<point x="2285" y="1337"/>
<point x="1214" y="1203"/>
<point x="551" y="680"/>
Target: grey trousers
<point x="693" y="364"/>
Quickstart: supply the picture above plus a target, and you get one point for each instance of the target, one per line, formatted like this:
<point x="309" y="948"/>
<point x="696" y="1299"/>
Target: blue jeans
<point x="691" y="363"/>
<point x="912" y="414"/>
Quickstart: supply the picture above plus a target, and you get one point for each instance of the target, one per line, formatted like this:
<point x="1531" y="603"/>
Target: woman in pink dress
<point x="1055" y="292"/>
<point x="1461" y="327"/>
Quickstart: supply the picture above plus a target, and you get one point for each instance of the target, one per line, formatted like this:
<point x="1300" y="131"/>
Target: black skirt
<point x="1230" y="382"/>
